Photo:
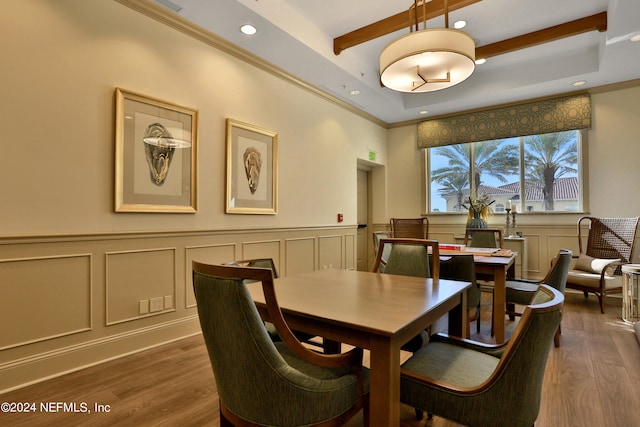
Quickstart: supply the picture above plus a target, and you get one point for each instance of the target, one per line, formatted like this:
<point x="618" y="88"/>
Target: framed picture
<point x="252" y="169"/>
<point x="156" y="147"/>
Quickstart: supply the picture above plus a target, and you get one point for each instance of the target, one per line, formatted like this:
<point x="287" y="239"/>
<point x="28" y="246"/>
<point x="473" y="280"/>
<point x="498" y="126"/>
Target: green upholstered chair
<point x="463" y="268"/>
<point x="409" y="257"/>
<point x="522" y="291"/>
<point x="610" y="244"/>
<point x="409" y="228"/>
<point x="260" y="382"/>
<point x="486" y="385"/>
<point x="483" y="238"/>
<point x="377" y="236"/>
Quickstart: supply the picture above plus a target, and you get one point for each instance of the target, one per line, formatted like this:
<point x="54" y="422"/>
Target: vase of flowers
<point x="478" y="211"/>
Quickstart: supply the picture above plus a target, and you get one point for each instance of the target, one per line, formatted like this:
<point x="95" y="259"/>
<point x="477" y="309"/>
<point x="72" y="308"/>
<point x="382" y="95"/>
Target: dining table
<point x="377" y="312"/>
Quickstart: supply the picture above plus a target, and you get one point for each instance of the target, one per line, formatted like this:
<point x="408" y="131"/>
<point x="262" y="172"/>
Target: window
<point x="536" y="173"/>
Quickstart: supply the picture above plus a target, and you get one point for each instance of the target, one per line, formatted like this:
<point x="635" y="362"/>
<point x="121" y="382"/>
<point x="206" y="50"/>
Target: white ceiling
<point x="297" y="36"/>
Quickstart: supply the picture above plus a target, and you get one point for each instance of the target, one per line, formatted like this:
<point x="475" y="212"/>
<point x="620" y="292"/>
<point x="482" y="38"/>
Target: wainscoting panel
<point x="300" y="255"/>
<point x="126" y="292"/>
<point x="262" y="249"/>
<point x="44" y="298"/>
<point x="134" y="277"/>
<point x="210" y="254"/>
<point x="330" y="252"/>
<point x="350" y="247"/>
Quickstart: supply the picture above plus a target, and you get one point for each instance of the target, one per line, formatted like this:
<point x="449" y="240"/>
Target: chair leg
<point x="478" y="321"/>
<point x="601" y="296"/>
<point x="556" y="338"/>
<point x="224" y="422"/>
<point x="419" y="414"/>
<point x="365" y="412"/>
<point x="511" y="308"/>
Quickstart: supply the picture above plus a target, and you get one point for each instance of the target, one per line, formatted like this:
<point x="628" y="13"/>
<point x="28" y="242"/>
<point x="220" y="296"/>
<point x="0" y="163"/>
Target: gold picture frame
<point x="252" y="169"/>
<point x="156" y="152"/>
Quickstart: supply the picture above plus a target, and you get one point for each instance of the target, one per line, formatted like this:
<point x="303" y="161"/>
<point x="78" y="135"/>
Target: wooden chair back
<point x="412" y="228"/>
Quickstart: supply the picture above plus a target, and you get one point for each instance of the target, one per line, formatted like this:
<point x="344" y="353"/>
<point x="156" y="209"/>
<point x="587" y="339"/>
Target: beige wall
<point x="73" y="272"/>
<point x="62" y="64"/>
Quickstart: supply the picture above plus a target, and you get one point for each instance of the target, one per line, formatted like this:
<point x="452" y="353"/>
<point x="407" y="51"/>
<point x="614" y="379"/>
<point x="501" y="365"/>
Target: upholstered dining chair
<point x="413" y="228"/>
<point x="521" y="291"/>
<point x="610" y="244"/>
<point x="260" y="382"/>
<point x="483" y="238"/>
<point x="484" y="385"/>
<point x="377" y="236"/>
<point x="268" y="263"/>
<point x="409" y="257"/>
<point x="463" y="268"/>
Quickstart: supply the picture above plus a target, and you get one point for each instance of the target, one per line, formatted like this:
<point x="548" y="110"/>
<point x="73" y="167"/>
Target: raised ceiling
<point x="298" y="37"/>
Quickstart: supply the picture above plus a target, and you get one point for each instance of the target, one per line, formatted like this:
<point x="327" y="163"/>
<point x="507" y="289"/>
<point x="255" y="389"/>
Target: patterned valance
<point x="545" y="116"/>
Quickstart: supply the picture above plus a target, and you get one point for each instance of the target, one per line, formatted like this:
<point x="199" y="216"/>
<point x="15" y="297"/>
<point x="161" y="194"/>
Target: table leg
<point x="458" y="319"/>
<point x="499" y="304"/>
<point x="385" y="383"/>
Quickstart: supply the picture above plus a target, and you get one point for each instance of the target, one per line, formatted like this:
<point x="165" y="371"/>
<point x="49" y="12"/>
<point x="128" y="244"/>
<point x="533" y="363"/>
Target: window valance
<point x="545" y="116"/>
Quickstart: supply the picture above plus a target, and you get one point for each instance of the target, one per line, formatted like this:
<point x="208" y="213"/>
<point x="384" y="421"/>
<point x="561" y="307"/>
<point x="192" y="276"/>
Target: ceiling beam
<point x="597" y="22"/>
<point x="394" y="23"/>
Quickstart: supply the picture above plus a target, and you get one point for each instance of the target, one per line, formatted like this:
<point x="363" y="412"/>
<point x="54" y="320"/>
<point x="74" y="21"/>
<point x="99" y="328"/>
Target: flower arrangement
<point x="479" y="207"/>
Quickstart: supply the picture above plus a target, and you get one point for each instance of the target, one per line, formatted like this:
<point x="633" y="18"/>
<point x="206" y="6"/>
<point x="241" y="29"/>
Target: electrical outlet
<point x="168" y="302"/>
<point x="156" y="304"/>
<point x="144" y="306"/>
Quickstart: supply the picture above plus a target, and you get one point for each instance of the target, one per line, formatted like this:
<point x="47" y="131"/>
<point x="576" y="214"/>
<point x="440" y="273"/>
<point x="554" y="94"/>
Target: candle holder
<point x="507" y="231"/>
<point x="513" y="225"/>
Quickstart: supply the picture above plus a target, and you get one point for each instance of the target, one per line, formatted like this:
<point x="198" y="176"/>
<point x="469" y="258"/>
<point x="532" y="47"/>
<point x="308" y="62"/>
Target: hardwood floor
<point x="592" y="379"/>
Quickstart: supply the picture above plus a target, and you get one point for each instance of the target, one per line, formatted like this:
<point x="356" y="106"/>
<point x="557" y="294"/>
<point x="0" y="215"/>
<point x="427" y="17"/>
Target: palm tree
<point x="549" y="157"/>
<point x="455" y="183"/>
<point x="492" y="158"/>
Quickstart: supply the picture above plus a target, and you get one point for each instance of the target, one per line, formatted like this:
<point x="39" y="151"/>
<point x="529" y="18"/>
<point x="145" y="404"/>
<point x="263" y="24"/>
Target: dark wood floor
<point x="593" y="379"/>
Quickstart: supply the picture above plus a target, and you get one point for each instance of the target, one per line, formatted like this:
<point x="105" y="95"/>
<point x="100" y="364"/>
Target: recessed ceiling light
<point x="248" y="29"/>
<point x="424" y="112"/>
<point x="635" y="38"/>
<point x="355" y="92"/>
<point x="480" y="61"/>
<point x="459" y="24"/>
<point x="579" y="83"/>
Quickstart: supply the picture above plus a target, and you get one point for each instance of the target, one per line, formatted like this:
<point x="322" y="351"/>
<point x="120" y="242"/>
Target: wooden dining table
<point x="378" y="312"/>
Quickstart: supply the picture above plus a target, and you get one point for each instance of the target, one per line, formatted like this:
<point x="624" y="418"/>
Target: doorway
<point x="363" y="215"/>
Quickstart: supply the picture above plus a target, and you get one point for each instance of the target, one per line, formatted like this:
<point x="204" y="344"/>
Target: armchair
<point x="483" y="238"/>
<point x="485" y="385"/>
<point x="522" y="291"/>
<point x="610" y="244"/>
<point x="409" y="257"/>
<point x="260" y="382"/>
